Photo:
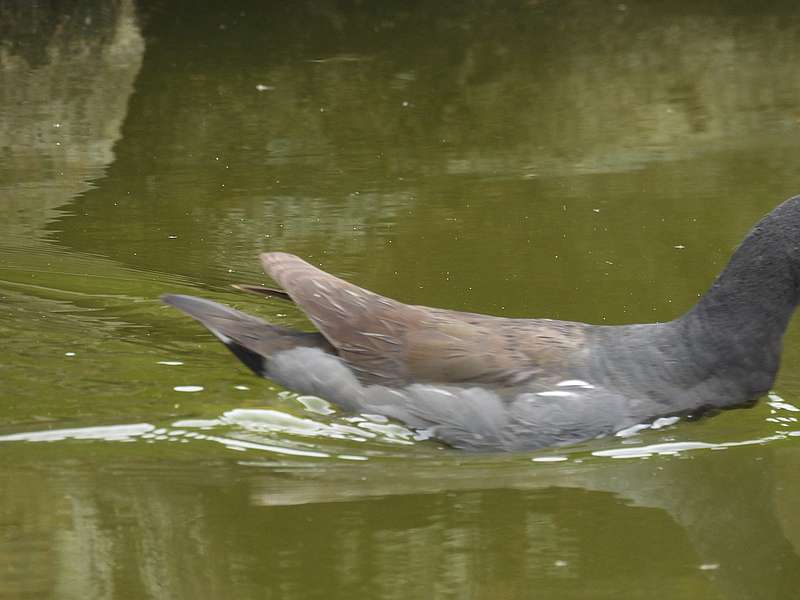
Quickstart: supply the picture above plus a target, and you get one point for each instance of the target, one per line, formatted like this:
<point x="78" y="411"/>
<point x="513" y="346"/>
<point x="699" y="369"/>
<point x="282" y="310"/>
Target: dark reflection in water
<point x="703" y="525"/>
<point x="586" y="160"/>
<point x="342" y="132"/>
<point x="65" y="80"/>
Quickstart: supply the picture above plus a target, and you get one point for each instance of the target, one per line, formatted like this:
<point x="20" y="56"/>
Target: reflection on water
<point x="65" y="81"/>
<point x="463" y="526"/>
<point x="593" y="161"/>
<point x="331" y="163"/>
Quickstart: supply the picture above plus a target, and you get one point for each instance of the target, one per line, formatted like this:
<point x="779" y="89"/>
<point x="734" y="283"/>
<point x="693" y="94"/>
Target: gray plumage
<point x="491" y="383"/>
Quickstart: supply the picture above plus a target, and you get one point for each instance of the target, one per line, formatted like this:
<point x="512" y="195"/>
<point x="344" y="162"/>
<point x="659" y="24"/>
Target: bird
<point x="478" y="382"/>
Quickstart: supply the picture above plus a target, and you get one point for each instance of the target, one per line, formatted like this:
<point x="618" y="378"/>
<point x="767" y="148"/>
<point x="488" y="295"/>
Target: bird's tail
<point x="251" y="340"/>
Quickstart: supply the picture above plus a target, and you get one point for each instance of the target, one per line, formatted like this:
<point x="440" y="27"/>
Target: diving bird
<point x="480" y="382"/>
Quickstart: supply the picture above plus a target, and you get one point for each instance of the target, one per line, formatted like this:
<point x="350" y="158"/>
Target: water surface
<point x="594" y="161"/>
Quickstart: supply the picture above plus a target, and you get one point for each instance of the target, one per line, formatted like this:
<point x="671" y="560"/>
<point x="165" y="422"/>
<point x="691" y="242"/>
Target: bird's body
<point x="483" y="382"/>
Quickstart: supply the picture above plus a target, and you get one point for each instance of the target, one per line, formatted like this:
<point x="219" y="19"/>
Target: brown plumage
<point x="395" y="343"/>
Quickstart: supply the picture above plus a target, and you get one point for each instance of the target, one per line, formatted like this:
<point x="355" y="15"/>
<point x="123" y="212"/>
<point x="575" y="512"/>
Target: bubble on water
<point x="188" y="388"/>
<point x="170" y="363"/>
<point x="549" y="459"/>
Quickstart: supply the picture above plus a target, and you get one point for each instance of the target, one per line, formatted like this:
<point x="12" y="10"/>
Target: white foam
<point x="197" y="423"/>
<point x="107" y="433"/>
<point x="783" y="406"/>
<point x="664" y="422"/>
<point x="556" y="393"/>
<point x="188" y="388"/>
<point x="632" y="430"/>
<point x="575" y="383"/>
<point x="235" y="444"/>
<point x="316" y="405"/>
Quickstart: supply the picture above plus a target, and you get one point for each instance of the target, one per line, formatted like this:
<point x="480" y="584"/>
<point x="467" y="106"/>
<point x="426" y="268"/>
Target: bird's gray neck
<point x="733" y="336"/>
<point x="740" y="321"/>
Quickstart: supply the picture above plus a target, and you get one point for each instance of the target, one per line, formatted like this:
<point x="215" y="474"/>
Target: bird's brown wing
<point x="392" y="342"/>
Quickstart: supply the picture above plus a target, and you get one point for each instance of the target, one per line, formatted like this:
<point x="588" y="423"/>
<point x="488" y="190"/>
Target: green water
<point x="594" y="161"/>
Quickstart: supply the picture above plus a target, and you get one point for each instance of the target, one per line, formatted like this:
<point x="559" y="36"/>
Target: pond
<point x="589" y="161"/>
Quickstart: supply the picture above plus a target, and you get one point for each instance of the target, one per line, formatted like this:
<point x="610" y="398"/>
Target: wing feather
<point x="391" y="342"/>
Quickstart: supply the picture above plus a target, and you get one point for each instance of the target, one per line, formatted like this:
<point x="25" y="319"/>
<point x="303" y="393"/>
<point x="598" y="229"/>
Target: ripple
<point x="674" y="448"/>
<point x="323" y="435"/>
<point x="236" y="444"/>
<point x="274" y="421"/>
<point x="779" y="403"/>
<point x="109" y="433"/>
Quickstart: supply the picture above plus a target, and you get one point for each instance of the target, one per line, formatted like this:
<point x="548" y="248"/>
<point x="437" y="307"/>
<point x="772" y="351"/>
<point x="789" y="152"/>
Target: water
<point x="588" y="161"/>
